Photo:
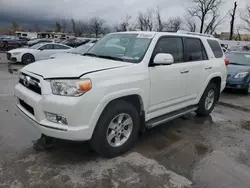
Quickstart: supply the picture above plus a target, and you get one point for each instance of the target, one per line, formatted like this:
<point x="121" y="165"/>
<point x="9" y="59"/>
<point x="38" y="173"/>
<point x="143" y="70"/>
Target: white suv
<point x="127" y="82"/>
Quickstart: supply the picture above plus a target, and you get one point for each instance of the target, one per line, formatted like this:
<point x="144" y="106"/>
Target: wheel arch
<point x="136" y="100"/>
<point x="28" y="53"/>
<point x="217" y="80"/>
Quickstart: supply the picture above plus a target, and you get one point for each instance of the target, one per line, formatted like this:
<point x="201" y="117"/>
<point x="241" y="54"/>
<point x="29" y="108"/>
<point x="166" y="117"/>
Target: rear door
<point x="195" y="59"/>
<point x="60" y="48"/>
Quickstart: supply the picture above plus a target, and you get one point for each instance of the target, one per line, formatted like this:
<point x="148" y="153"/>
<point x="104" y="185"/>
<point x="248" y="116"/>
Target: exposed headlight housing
<point x="16" y="53"/>
<point x="72" y="88"/>
<point x="241" y="75"/>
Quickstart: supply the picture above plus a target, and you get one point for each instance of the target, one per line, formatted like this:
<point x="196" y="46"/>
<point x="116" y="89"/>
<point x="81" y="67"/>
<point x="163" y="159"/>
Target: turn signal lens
<point x="84" y="86"/>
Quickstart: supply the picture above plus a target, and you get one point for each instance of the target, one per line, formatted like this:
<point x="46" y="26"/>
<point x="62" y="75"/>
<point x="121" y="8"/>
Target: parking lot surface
<point x="189" y="152"/>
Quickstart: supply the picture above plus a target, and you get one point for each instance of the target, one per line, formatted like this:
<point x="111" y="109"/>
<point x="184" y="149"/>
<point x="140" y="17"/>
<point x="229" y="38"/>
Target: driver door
<point x="45" y="51"/>
<point x="168" y="82"/>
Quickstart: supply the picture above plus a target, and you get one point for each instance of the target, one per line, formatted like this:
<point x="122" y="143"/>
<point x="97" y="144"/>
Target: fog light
<point x="55" y="118"/>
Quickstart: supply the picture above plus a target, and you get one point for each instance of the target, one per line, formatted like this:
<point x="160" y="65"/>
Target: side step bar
<point x="170" y="116"/>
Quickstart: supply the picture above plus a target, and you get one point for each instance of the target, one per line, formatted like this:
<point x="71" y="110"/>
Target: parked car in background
<point x="74" y="51"/>
<point x="36" y="52"/>
<point x="238" y="70"/>
<point x="235" y="48"/>
<point x="125" y="83"/>
<point x="10" y="43"/>
<point x="75" y="42"/>
<point x="37" y="41"/>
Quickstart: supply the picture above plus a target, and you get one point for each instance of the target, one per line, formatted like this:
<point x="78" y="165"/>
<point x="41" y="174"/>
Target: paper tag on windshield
<point x="148" y="36"/>
<point x="247" y="56"/>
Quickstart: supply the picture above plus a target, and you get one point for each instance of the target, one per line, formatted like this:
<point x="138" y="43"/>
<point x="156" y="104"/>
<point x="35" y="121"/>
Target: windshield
<point x="36" y="46"/>
<point x="239" y="58"/>
<point x="81" y="49"/>
<point x="126" y="47"/>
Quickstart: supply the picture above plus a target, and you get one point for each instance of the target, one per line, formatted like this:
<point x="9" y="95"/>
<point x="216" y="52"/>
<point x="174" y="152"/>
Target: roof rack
<point x="194" y="33"/>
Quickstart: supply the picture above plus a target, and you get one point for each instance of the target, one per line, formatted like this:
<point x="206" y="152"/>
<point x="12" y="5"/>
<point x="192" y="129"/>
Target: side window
<point x="47" y="47"/>
<point x="195" y="50"/>
<point x="215" y="46"/>
<point x="60" y="47"/>
<point x="171" y="46"/>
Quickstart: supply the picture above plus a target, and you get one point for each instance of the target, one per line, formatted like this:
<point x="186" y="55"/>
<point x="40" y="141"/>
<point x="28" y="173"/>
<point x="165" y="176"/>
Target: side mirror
<point x="41" y="49"/>
<point x="163" y="59"/>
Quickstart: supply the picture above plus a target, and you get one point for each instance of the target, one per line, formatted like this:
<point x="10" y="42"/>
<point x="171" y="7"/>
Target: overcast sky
<point x="28" y="11"/>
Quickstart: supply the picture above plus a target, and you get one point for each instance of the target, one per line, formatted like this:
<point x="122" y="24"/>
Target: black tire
<point x="99" y="140"/>
<point x="27" y="59"/>
<point x="247" y="90"/>
<point x="202" y="110"/>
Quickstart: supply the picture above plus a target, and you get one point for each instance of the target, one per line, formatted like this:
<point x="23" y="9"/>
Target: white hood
<point x="63" y="55"/>
<point x="72" y="67"/>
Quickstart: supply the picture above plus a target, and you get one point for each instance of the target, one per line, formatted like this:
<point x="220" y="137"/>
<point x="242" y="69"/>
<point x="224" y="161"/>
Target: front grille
<point x="27" y="107"/>
<point x="30" y="83"/>
<point x="8" y="56"/>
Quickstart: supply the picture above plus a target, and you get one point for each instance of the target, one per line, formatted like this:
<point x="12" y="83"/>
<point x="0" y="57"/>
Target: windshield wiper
<point x="111" y="57"/>
<point x="90" y="54"/>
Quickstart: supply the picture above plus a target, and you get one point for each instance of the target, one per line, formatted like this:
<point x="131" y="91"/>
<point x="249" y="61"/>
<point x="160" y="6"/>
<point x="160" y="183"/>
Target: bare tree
<point x="58" y="27"/>
<point x="64" y="25"/>
<point x="145" y="20"/>
<point x="159" y="25"/>
<point x="14" y="26"/>
<point x="124" y="25"/>
<point x="214" y="23"/>
<point x="78" y="27"/>
<point x="232" y="15"/>
<point x="96" y="26"/>
<point x="173" y="24"/>
<point x="191" y="24"/>
<point x="202" y="8"/>
<point x="246" y="19"/>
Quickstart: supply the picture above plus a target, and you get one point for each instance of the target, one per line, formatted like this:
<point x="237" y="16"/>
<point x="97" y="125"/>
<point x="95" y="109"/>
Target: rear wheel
<point x="28" y="58"/>
<point x="208" y="100"/>
<point x="117" y="129"/>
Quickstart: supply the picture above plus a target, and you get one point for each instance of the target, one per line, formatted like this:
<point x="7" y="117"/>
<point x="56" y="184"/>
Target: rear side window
<point x="171" y="46"/>
<point x="60" y="47"/>
<point x="215" y="46"/>
<point x="195" y="50"/>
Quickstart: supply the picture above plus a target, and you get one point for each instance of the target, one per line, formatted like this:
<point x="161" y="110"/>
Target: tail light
<point x="226" y="62"/>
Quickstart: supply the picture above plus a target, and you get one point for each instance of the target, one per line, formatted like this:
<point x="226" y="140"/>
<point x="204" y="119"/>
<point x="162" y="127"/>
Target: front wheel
<point x="28" y="58"/>
<point x="247" y="90"/>
<point x="117" y="129"/>
<point x="208" y="100"/>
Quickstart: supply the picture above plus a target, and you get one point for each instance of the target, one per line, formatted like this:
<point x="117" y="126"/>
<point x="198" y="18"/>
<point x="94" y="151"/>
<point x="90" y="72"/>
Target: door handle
<point x="208" y="68"/>
<point x="184" y="71"/>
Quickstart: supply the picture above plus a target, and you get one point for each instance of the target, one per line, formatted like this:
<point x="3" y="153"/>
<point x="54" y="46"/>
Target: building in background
<point x="25" y="34"/>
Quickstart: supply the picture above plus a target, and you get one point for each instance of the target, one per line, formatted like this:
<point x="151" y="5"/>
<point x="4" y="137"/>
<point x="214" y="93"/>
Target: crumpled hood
<point x="72" y="67"/>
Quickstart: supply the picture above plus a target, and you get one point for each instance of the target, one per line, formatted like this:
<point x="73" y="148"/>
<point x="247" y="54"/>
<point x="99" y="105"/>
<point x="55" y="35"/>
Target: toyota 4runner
<point x="125" y="83"/>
